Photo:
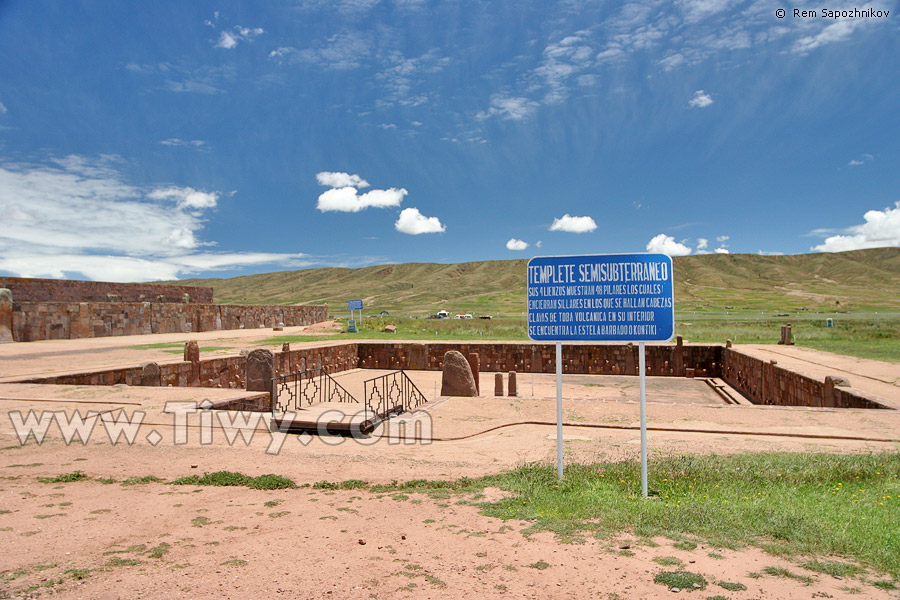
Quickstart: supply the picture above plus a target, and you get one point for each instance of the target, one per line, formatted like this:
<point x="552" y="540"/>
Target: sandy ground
<point x="312" y="543"/>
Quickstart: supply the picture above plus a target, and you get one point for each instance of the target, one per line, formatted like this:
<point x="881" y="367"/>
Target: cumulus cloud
<point x="861" y="160"/>
<point x="700" y="100"/>
<point x="881" y="228"/>
<point x="79" y="215"/>
<point x="702" y="244"/>
<point x="348" y="199"/>
<point x="338" y="180"/>
<point x="413" y="222"/>
<point x="722" y="251"/>
<point x="514" y="244"/>
<point x="723" y="238"/>
<point x="230" y="39"/>
<point x="666" y="244"/>
<point x="573" y="224"/>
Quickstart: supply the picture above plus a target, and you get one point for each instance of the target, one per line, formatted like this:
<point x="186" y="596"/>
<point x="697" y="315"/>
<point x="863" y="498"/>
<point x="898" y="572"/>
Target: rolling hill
<point x="858" y="280"/>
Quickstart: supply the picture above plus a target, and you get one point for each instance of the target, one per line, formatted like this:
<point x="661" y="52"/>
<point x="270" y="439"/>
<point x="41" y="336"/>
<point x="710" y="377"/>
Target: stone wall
<point x="26" y="289"/>
<point x="766" y="382"/>
<point x="71" y="320"/>
<point x="223" y="372"/>
<point x="610" y="359"/>
<point x="760" y="381"/>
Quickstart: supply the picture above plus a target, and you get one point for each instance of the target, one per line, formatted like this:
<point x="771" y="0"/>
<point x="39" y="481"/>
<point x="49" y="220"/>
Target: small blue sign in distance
<point x="354" y="305"/>
<point x="601" y="297"/>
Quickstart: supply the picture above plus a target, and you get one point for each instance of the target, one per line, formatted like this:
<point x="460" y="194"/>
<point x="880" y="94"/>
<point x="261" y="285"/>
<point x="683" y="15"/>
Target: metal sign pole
<point x="559" y="412"/>
<point x="643" y="374"/>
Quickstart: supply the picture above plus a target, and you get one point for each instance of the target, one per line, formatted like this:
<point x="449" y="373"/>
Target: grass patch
<point x="235" y="562"/>
<point x="67" y="478"/>
<point x="539" y="565"/>
<point x="230" y="478"/>
<point x="118" y="561"/>
<point x="836" y="569"/>
<point x="807" y="504"/>
<point x="787" y="574"/>
<point x="668" y="561"/>
<point x="78" y="574"/>
<point x="141" y="480"/>
<point x="683" y="580"/>
<point x="732" y="587"/>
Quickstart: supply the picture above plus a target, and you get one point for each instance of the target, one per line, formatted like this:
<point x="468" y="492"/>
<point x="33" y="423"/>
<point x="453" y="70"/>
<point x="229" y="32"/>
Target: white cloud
<point x="514" y="244"/>
<point x="78" y="215"/>
<point x="341" y="51"/>
<point x="230" y="39"/>
<point x="723" y="238"/>
<point x="700" y="100"/>
<point x="339" y="180"/>
<point x="198" y="144"/>
<point x="510" y="108"/>
<point x="573" y="224"/>
<point x="769" y="253"/>
<point x="347" y="199"/>
<point x="861" y="161"/>
<point x="413" y="222"/>
<point x="2" y="109"/>
<point x="186" y="197"/>
<point x="666" y="244"/>
<point x="702" y="244"/>
<point x="881" y="228"/>
<point x="538" y="244"/>
<point x="722" y="251"/>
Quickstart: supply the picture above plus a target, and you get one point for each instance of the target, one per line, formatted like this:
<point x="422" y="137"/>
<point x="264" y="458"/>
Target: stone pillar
<point x="728" y="343"/>
<point x="498" y="384"/>
<point x="6" y="316"/>
<point x="829" y="397"/>
<point x="475" y="365"/>
<point x="286" y="347"/>
<point x="260" y="370"/>
<point x="150" y="374"/>
<point x="513" y="388"/>
<point x="192" y="355"/>
<point x="456" y="376"/>
<point x="787" y="337"/>
<point x="630" y="366"/>
<point x="678" y="358"/>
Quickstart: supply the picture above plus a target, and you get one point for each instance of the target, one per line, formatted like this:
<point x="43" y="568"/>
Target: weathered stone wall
<point x="765" y="382"/>
<point x="71" y="320"/>
<point x="221" y="372"/>
<point x="610" y="359"/>
<point x="26" y="289"/>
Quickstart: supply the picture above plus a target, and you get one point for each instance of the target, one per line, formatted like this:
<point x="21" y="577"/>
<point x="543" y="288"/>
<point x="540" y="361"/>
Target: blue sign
<point x="603" y="297"/>
<point x="354" y="305"/>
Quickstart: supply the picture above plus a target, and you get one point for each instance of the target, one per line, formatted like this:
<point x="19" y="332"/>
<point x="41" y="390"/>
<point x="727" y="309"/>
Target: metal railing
<point x="392" y="393"/>
<point x="305" y="388"/>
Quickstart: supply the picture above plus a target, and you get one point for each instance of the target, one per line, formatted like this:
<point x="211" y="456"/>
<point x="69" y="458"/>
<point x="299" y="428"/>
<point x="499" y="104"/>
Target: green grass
<point x="804" y="505"/>
<point x="732" y="587"/>
<point x="683" y="580"/>
<point x="67" y="478"/>
<point x="141" y="480"/>
<point x="229" y="478"/>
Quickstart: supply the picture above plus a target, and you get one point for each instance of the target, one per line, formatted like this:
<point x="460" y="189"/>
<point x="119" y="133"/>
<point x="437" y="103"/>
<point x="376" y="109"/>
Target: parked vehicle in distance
<point x="465" y="316"/>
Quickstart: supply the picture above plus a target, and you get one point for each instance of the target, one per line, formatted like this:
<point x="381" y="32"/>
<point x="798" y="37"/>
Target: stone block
<point x="6" y="316"/>
<point x="260" y="370"/>
<point x="150" y="374"/>
<point x="512" y="387"/>
<point x="456" y="376"/>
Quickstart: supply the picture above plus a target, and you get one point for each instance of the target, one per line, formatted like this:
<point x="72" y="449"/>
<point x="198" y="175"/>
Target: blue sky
<point x="160" y="140"/>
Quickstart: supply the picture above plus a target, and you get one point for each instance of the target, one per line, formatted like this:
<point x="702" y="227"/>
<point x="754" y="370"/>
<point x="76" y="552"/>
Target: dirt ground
<point x="154" y="540"/>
